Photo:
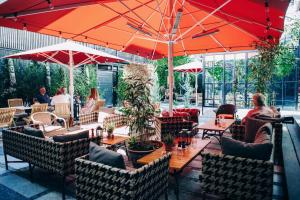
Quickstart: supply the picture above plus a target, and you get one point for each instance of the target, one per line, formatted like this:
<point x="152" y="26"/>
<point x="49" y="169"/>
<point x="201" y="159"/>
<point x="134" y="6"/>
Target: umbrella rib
<point x="52" y="55"/>
<point x="110" y="20"/>
<point x="132" y="11"/>
<point x="202" y="27"/>
<point x="53" y="59"/>
<point x="148" y="18"/>
<point x="204" y="18"/>
<point x="161" y="22"/>
<point x="239" y="18"/>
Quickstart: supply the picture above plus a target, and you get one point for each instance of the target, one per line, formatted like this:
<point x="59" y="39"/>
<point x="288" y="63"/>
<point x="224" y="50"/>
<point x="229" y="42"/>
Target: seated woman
<point x="59" y="97"/>
<point x="260" y="108"/>
<point x="91" y="102"/>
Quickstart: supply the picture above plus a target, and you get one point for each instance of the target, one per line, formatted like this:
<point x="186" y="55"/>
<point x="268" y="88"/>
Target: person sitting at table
<point x="260" y="108"/>
<point x="91" y="102"/>
<point x="43" y="97"/>
<point x="64" y="92"/>
<point x="60" y="98"/>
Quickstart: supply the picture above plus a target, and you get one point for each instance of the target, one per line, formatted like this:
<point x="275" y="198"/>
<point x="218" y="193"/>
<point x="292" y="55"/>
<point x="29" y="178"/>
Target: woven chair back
<point x="7" y="116"/>
<point x="15" y="102"/>
<point x="43" y="107"/>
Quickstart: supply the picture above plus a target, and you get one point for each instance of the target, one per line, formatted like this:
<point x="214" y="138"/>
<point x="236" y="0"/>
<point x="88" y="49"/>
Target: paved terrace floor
<point x="16" y="185"/>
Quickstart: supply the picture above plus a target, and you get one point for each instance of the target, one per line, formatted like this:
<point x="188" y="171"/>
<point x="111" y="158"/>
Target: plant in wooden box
<point x="139" y="110"/>
<point x="110" y="129"/>
<point x="168" y="140"/>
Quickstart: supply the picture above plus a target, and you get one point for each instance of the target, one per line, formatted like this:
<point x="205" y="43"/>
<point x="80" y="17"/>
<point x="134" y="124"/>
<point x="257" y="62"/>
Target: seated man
<point x="43" y="97"/>
<point x="260" y="108"/>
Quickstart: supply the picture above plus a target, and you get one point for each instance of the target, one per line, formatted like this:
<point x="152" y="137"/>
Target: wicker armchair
<point x="15" y="102"/>
<point x="52" y="156"/>
<point x="240" y="178"/>
<point x="99" y="181"/>
<point x="166" y="125"/>
<point x="48" y="121"/>
<point x="7" y="117"/>
<point x="236" y="178"/>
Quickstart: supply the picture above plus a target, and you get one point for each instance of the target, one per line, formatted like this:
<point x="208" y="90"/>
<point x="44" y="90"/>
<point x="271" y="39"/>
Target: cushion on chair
<point x="251" y="127"/>
<point x="33" y="132"/>
<point x="102" y="155"/>
<point x="71" y="137"/>
<point x="263" y="134"/>
<point x="246" y="150"/>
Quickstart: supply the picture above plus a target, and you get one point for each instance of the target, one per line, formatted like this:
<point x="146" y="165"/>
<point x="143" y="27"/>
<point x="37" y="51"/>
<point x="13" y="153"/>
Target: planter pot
<point x="134" y="155"/>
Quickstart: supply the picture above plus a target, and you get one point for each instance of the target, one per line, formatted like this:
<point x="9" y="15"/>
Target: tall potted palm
<point x="139" y="110"/>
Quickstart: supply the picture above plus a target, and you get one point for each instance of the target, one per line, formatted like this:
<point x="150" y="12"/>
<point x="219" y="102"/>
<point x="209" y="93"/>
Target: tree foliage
<point x="162" y="70"/>
<point x="30" y="76"/>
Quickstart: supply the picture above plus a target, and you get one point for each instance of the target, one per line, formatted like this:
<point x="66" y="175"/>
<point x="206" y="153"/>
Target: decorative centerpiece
<point x="110" y="129"/>
<point x="168" y="140"/>
<point x="139" y="111"/>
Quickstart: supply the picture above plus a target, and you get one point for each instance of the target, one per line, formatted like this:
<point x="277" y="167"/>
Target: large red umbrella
<point x="153" y="28"/>
<point x="68" y="54"/>
<point x="194" y="68"/>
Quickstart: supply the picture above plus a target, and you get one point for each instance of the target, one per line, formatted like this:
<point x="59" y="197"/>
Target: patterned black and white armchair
<point x="233" y="177"/>
<point x="99" y="181"/>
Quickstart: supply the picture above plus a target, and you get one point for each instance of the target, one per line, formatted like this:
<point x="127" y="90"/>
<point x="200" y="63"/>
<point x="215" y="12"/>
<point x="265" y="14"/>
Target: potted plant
<point x="168" y="140"/>
<point x="110" y="129"/>
<point x="139" y="110"/>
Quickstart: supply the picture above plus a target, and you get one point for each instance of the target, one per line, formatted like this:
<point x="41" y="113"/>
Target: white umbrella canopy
<point x="70" y="55"/>
<point x="192" y="67"/>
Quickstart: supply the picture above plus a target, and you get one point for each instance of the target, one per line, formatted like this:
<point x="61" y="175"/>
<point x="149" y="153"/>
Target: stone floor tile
<point x="21" y="185"/>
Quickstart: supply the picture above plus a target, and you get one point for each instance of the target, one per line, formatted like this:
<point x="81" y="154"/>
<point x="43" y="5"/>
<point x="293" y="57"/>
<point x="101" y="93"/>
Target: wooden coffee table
<point x="210" y="129"/>
<point x="179" y="158"/>
<point x="64" y="131"/>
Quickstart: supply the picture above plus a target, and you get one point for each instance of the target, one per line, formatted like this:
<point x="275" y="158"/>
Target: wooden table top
<point x="210" y="125"/>
<point x="117" y="139"/>
<point x="179" y="158"/>
<point x="64" y="131"/>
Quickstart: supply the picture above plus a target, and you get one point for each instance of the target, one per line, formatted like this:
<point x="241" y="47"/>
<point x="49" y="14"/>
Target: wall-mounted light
<point x="177" y="21"/>
<point x="138" y="28"/>
<point x="24" y="27"/>
<point x="50" y="4"/>
<point x="205" y="33"/>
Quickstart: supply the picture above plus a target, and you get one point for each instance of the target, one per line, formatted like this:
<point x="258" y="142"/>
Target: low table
<point x="117" y="140"/>
<point x="179" y="158"/>
<point x="211" y="129"/>
<point x="64" y="131"/>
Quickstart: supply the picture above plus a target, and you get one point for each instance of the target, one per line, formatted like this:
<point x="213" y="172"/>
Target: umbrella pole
<point x="71" y="84"/>
<point x="171" y="74"/>
<point x="196" y="86"/>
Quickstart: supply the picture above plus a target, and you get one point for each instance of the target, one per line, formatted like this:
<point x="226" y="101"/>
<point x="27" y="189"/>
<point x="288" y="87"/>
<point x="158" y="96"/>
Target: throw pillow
<point x="246" y="150"/>
<point x="104" y="156"/>
<point x="263" y="134"/>
<point x="251" y="127"/>
<point x="71" y="137"/>
<point x="33" y="132"/>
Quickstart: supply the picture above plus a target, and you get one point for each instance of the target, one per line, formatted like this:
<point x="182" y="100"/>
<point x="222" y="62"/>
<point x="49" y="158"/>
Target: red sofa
<point x="193" y="113"/>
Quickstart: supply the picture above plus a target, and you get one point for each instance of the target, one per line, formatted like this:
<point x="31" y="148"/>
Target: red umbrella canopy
<point x="145" y="27"/>
<point x="192" y="67"/>
<point x="60" y="53"/>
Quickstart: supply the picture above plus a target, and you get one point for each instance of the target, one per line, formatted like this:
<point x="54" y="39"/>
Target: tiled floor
<point x="15" y="183"/>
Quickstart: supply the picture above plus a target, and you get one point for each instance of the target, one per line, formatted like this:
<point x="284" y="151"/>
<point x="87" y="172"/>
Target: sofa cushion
<point x="251" y="127"/>
<point x="263" y="134"/>
<point x="71" y="137"/>
<point x="102" y="155"/>
<point x="33" y="132"/>
<point x="246" y="150"/>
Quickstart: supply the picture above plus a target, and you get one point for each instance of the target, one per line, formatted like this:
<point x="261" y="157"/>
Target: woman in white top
<point x="60" y="98"/>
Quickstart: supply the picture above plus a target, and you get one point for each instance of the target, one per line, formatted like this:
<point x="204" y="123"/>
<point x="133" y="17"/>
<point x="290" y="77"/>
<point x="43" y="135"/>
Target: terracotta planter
<point x="134" y="155"/>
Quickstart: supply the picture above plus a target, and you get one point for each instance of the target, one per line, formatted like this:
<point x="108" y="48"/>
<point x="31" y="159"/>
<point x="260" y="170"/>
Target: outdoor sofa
<point x="55" y="157"/>
<point x="235" y="177"/>
<point x="98" y="181"/>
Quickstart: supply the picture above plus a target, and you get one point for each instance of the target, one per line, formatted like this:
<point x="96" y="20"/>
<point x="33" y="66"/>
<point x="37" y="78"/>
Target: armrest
<point x="238" y="132"/>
